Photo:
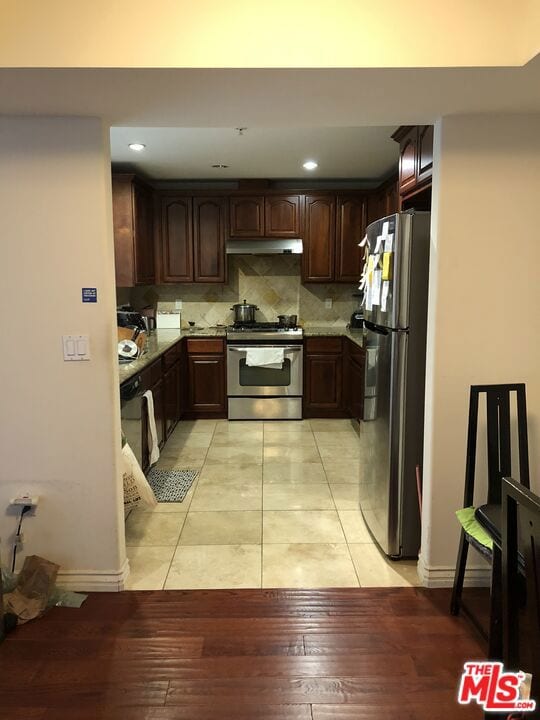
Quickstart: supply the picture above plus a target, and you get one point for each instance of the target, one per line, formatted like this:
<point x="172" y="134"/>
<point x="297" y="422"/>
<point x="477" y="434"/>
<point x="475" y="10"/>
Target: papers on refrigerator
<point x="389" y="243"/>
<point x="384" y="295"/>
<point x="376" y="288"/>
<point x="385" y="227"/>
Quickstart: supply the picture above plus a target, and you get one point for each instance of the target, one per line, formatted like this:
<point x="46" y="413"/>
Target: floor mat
<point x="171" y="485"/>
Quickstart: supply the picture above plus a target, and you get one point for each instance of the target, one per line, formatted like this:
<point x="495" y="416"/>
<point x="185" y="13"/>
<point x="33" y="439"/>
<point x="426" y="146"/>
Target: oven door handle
<point x="287" y="349"/>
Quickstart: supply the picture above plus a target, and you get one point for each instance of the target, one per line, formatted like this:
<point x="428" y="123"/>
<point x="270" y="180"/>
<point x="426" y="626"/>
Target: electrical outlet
<point x="177" y="304"/>
<point x="328" y="303"/>
<point x="22" y="500"/>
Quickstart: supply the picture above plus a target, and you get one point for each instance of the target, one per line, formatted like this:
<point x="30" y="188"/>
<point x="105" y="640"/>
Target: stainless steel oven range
<point x="264" y="372"/>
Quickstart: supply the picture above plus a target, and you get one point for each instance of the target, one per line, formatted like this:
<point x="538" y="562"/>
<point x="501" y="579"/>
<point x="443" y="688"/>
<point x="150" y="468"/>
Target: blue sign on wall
<point x="89" y="295"/>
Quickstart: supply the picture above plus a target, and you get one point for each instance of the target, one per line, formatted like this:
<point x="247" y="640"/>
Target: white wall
<point x="280" y="33"/>
<point x="60" y="428"/>
<point x="484" y="323"/>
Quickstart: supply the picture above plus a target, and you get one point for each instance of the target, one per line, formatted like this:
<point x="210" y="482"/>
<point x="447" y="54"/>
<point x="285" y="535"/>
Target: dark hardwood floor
<point x="344" y="654"/>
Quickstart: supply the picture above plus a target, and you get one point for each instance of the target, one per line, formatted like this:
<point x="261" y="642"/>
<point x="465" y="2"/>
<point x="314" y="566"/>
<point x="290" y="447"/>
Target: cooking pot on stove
<point x="288" y="321"/>
<point x="244" y="312"/>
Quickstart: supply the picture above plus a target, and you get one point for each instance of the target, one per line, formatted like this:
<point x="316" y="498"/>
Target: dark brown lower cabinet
<point x="170" y="398"/>
<point x="206" y="378"/>
<point x="323" y="377"/>
<point x="333" y="378"/>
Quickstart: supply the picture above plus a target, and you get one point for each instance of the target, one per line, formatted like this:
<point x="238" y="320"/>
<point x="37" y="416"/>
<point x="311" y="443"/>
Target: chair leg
<point x="459" y="576"/>
<point x="495" y="613"/>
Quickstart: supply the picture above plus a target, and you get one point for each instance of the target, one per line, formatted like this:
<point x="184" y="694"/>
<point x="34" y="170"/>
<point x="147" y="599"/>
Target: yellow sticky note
<point x="387" y="265"/>
<point x="370" y="268"/>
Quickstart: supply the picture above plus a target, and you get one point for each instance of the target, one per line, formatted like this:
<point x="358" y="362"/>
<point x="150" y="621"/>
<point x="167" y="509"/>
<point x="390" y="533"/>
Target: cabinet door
<point x="143" y="235"/>
<point x="159" y="411"/>
<point x="407" y="162"/>
<point x="282" y="216"/>
<point x="176" y="239"/>
<point x="246" y="217"/>
<point x="209" y="218"/>
<point x="170" y="399"/>
<point x="351" y="227"/>
<point x="206" y="385"/>
<point x="323" y="385"/>
<point x="318" y="259"/>
<point x="392" y="198"/>
<point x="425" y="153"/>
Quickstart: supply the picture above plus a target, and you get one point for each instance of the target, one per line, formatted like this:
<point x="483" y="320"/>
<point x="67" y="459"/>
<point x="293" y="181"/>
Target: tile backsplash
<point x="270" y="282"/>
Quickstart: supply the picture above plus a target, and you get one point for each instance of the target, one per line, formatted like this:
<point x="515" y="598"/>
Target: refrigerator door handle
<point x="380" y="330"/>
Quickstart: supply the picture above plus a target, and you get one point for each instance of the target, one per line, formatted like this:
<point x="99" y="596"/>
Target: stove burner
<point x="257" y="327"/>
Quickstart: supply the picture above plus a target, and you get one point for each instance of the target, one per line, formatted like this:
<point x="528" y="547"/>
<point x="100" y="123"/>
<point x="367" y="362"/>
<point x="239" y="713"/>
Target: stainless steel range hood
<point x="258" y="246"/>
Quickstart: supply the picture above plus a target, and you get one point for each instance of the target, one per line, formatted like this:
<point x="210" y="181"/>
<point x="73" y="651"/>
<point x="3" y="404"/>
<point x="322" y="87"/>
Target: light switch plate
<point x="76" y="347"/>
<point x="178" y="305"/>
<point x="328" y="303"/>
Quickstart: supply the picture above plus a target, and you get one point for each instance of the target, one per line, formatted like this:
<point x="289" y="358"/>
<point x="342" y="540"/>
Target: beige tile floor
<point x="275" y="505"/>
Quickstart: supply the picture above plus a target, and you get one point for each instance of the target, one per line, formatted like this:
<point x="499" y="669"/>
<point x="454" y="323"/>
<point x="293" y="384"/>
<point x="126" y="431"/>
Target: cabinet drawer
<point x="171" y="356"/>
<point x="198" y="346"/>
<point x="323" y="345"/>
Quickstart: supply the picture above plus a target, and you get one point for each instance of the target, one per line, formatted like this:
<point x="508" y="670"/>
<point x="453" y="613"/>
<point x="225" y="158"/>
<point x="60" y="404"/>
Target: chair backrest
<point x="499" y="446"/>
<point x="521" y="580"/>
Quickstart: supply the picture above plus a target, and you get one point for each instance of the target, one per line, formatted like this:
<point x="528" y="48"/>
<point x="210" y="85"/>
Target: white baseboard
<point x="442" y="576"/>
<point x="94" y="581"/>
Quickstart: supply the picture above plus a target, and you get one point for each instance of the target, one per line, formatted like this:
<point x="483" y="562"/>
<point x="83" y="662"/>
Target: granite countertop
<point x="158" y="342"/>
<point x="355" y="335"/>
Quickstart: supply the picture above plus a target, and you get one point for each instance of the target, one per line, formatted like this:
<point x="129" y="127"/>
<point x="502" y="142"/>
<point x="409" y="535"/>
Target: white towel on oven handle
<point x="269" y="357"/>
<point x="152" y="429"/>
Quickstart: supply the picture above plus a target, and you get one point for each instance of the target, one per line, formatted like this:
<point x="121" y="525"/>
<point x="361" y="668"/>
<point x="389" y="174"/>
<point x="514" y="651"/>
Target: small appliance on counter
<point x="128" y="318"/>
<point x="357" y="318"/>
<point x="149" y="318"/>
<point x="168" y="320"/>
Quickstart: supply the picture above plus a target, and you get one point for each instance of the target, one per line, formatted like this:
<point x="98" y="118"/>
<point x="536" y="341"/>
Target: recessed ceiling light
<point x="219" y="165"/>
<point x="310" y="165"/>
<point x="138" y="147"/>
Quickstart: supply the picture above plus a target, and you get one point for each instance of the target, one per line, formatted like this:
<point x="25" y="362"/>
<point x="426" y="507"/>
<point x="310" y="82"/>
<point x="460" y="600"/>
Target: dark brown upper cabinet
<point x="209" y="236"/>
<point x="282" y="216"/>
<point x="350" y="229"/>
<point x="133" y="231"/>
<point x="318" y="259"/>
<point x="415" y="157"/>
<point x="383" y="201"/>
<point x="246" y="217"/>
<point x="176" y="231"/>
<point x="192" y="239"/>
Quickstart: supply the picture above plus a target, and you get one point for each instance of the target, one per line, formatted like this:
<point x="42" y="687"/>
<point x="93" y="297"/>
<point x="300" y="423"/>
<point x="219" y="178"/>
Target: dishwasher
<point x="132" y="411"/>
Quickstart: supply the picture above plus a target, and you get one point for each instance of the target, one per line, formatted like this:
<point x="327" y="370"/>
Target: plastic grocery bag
<point x="137" y="490"/>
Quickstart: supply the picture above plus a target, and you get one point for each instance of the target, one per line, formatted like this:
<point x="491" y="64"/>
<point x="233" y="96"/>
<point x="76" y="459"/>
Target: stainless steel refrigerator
<point x="391" y="436"/>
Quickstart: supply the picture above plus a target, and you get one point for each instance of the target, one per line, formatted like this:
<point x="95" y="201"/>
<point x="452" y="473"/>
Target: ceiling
<point x="178" y="153"/>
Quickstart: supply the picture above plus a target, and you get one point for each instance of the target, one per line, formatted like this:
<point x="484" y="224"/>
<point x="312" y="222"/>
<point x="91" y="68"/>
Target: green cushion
<point x="473" y="528"/>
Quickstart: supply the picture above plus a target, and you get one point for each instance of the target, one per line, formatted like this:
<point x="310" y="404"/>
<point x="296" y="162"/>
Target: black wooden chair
<point x="521" y="582"/>
<point x="499" y="457"/>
